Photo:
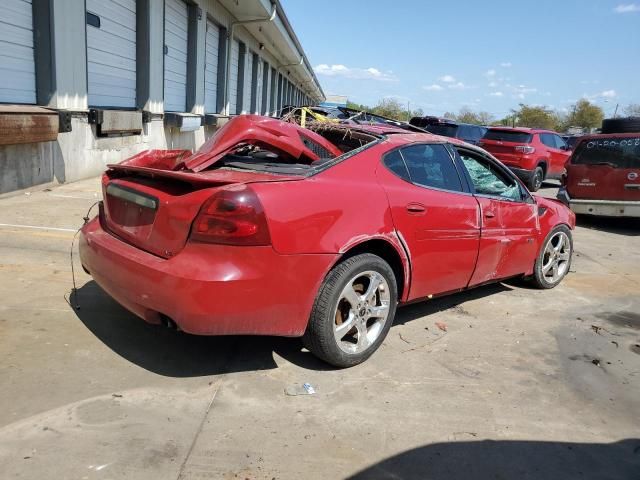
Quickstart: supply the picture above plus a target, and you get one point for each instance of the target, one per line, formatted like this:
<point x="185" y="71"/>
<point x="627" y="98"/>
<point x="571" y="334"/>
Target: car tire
<point x="343" y="334"/>
<point x="554" y="259"/>
<point x="535" y="180"/>
<point x="621" y="125"/>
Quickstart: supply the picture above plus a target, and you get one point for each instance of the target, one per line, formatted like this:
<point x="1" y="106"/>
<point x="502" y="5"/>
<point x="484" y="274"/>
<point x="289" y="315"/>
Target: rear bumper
<point x="208" y="289"/>
<point x="605" y="208"/>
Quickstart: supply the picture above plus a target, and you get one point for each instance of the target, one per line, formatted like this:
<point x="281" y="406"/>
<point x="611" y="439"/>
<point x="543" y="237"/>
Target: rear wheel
<point x="353" y="311"/>
<point x="554" y="259"/>
<point x="535" y="181"/>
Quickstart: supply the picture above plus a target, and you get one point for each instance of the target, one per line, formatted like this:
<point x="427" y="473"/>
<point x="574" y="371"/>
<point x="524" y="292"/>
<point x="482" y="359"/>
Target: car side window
<point x="464" y="132"/>
<point x="395" y="163"/>
<point x="547" y="139"/>
<point x="431" y="166"/>
<point x="560" y="143"/>
<point x="487" y="179"/>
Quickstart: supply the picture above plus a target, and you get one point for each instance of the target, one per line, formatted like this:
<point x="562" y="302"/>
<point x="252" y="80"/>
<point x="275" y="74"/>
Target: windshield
<point x="508" y="136"/>
<point x="446" y="130"/>
<point x="618" y="152"/>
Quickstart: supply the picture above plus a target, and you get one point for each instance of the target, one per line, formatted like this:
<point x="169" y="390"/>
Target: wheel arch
<point x="544" y="164"/>
<point x="391" y="251"/>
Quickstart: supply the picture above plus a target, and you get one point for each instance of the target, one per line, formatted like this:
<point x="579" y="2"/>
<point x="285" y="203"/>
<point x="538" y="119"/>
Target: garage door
<point x="233" y="78"/>
<point x="212" y="45"/>
<point x="111" y="53"/>
<point x="247" y="88"/>
<point x="176" y="25"/>
<point x="17" y="64"/>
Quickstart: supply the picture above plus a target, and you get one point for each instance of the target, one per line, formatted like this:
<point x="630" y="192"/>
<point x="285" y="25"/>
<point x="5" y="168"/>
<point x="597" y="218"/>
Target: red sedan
<point x="319" y="232"/>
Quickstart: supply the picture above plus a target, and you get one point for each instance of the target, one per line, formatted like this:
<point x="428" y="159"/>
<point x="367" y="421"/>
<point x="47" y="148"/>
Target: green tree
<point x="466" y="115"/>
<point x="391" y="108"/>
<point x="585" y="114"/>
<point x="535" y="117"/>
<point x="388" y="107"/>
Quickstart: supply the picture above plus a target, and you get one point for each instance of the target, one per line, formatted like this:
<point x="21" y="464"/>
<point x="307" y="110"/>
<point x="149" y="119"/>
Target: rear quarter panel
<point x="332" y="211"/>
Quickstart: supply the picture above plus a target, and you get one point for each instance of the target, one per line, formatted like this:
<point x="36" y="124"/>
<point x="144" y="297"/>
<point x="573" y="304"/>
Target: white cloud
<point x="493" y="84"/>
<point x="490" y="73"/>
<point x="447" y="79"/>
<point x="354" y="73"/>
<point x="522" y="90"/>
<point x="627" y="8"/>
<point x="496" y="94"/>
<point x="606" y="94"/>
<point x="433" y="88"/>
<point x="506" y="64"/>
<point x="457" y="86"/>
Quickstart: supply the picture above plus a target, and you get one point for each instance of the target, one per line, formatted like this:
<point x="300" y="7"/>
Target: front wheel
<point x="554" y="259"/>
<point x="353" y="311"/>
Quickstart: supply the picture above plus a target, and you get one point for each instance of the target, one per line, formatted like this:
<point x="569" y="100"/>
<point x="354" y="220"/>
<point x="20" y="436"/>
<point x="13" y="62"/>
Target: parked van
<point x="603" y="176"/>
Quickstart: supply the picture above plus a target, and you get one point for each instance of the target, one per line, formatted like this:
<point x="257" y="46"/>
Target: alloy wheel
<point x="361" y="312"/>
<point x="557" y="254"/>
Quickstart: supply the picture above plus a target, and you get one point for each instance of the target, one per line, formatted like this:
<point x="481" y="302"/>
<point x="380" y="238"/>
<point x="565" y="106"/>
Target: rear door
<point x="509" y="220"/>
<point x="558" y="152"/>
<point x="435" y="216"/>
<point x="606" y="168"/>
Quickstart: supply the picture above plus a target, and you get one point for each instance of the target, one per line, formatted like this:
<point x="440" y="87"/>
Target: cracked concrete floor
<point x="523" y="384"/>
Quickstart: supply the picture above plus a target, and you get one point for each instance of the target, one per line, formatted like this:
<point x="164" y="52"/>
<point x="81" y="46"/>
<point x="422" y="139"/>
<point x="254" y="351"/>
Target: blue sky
<point x="491" y="56"/>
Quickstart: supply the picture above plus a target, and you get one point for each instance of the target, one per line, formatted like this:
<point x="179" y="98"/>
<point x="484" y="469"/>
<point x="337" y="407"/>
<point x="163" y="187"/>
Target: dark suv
<point x="450" y="128"/>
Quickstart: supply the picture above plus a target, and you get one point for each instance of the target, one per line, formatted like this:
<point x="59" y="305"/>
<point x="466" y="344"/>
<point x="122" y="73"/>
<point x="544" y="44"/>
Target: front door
<point x="436" y="218"/>
<point x="509" y="220"/>
<point x="558" y="152"/>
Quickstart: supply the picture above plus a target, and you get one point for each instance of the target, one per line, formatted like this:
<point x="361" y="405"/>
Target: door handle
<point x="489" y="214"/>
<point x="416" y="209"/>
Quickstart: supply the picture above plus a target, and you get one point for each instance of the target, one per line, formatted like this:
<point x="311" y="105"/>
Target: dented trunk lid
<point x="153" y="209"/>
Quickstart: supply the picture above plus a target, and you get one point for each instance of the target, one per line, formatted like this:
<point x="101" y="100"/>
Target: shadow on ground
<point x="417" y="310"/>
<point x="619" y="226"/>
<point x="506" y="460"/>
<point x="177" y="354"/>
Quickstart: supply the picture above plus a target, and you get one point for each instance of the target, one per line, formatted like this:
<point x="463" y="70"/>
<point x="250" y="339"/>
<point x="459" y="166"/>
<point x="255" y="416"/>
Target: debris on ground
<point x="297" y="389"/>
<point x="442" y="326"/>
<point x="403" y="339"/>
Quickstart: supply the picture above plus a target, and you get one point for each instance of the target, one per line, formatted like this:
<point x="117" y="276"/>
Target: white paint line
<point x="73" y="196"/>
<point x="34" y="227"/>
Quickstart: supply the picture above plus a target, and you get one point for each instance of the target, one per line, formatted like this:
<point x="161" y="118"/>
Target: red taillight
<point x="232" y="217"/>
<point x="524" y="149"/>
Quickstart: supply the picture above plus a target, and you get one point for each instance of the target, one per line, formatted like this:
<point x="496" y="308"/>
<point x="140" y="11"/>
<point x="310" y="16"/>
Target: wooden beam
<point x="27" y="124"/>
